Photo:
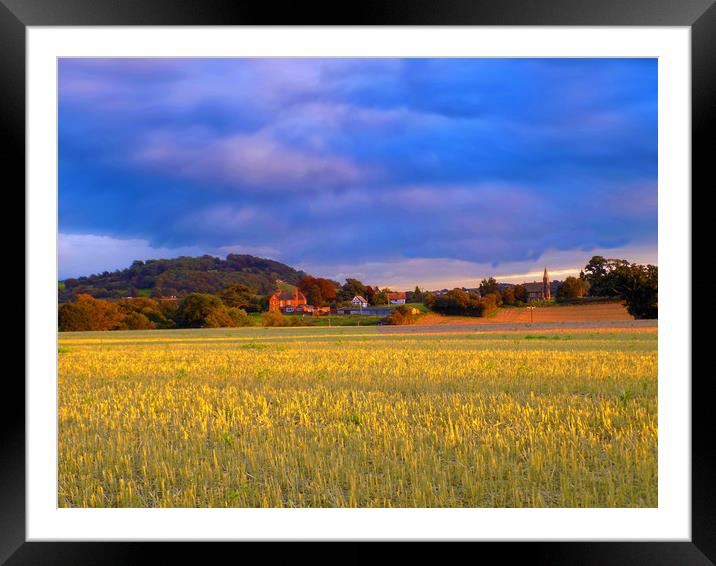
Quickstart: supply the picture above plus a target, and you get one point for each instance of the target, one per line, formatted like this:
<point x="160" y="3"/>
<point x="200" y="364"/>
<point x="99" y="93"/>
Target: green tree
<point x="239" y="317"/>
<point x="639" y="286"/>
<point x="380" y="297"/>
<point x="572" y="288"/>
<point x="599" y="274"/>
<point x="170" y="312"/>
<point x="350" y="289"/>
<point x="73" y="318"/>
<point x="456" y="302"/>
<point x="459" y="302"/>
<point x="137" y="321"/>
<point x="238" y="296"/>
<point x="149" y="308"/>
<point x="198" y="310"/>
<point x="488" y="286"/>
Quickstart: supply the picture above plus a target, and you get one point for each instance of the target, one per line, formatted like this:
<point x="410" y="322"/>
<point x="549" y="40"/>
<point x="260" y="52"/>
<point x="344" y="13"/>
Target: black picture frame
<point x="699" y="15"/>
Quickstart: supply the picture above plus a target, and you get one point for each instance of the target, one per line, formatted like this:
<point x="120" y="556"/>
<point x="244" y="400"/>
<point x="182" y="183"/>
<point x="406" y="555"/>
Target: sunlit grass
<point x="354" y="418"/>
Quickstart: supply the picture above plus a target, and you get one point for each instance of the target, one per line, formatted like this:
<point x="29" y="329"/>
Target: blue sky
<point x="399" y="171"/>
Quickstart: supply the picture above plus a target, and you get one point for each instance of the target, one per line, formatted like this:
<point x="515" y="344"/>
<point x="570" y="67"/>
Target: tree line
<point x="196" y="310"/>
<point x="636" y="285"/>
<point x="229" y="307"/>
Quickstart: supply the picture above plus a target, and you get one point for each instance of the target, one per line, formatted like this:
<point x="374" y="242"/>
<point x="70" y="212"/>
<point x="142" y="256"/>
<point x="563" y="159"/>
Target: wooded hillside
<point x="180" y="276"/>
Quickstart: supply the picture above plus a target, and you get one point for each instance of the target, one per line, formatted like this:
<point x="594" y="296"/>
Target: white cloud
<point x="254" y="159"/>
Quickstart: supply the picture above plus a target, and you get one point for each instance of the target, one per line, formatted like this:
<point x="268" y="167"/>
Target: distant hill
<point x="181" y="276"/>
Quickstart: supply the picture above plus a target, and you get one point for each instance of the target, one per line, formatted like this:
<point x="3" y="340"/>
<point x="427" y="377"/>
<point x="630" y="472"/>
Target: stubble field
<point x="351" y="417"/>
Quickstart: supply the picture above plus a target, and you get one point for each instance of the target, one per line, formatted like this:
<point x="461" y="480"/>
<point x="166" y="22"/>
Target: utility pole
<point x="532" y="310"/>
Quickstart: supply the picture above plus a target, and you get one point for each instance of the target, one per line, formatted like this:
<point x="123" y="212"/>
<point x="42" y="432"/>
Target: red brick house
<point x="287" y="301"/>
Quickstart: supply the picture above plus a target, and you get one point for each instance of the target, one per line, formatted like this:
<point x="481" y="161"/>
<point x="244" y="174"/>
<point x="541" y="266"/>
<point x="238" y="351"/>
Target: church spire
<point x="546" y="293"/>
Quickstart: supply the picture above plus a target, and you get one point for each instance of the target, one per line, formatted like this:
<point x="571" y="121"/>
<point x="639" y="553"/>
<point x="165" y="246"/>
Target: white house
<point x="360" y="301"/>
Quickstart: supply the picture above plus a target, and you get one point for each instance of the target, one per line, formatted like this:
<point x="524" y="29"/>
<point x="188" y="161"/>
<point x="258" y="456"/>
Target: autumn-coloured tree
<point x="318" y="291"/>
<point x="88" y="313"/>
<point x="508" y="295"/>
<point x="401" y="315"/>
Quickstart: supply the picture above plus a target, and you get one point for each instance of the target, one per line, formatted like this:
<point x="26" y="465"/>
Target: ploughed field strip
<point x="590" y="314"/>
<point x="352" y="417"/>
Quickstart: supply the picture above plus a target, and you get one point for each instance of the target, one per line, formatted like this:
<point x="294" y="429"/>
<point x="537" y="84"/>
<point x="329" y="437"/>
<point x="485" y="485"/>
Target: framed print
<point x="296" y="278"/>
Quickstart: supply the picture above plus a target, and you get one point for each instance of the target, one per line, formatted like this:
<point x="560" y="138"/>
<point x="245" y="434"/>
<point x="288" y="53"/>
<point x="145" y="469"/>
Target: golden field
<point x="352" y="417"/>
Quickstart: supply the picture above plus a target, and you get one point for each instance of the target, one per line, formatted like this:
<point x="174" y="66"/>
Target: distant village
<point x="237" y="304"/>
<point x="295" y="302"/>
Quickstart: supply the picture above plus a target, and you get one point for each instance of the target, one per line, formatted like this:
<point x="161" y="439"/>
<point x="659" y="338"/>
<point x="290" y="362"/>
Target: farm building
<point x="536" y="291"/>
<point x="313" y="311"/>
<point x="372" y="311"/>
<point x="397" y="298"/>
<point x="287" y="301"/>
<point x="359" y="301"/>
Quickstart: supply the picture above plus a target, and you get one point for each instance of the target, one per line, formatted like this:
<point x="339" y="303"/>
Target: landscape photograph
<point x="357" y="282"/>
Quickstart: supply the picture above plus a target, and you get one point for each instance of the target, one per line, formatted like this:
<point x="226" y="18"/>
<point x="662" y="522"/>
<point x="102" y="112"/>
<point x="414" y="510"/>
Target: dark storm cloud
<point x="328" y="161"/>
